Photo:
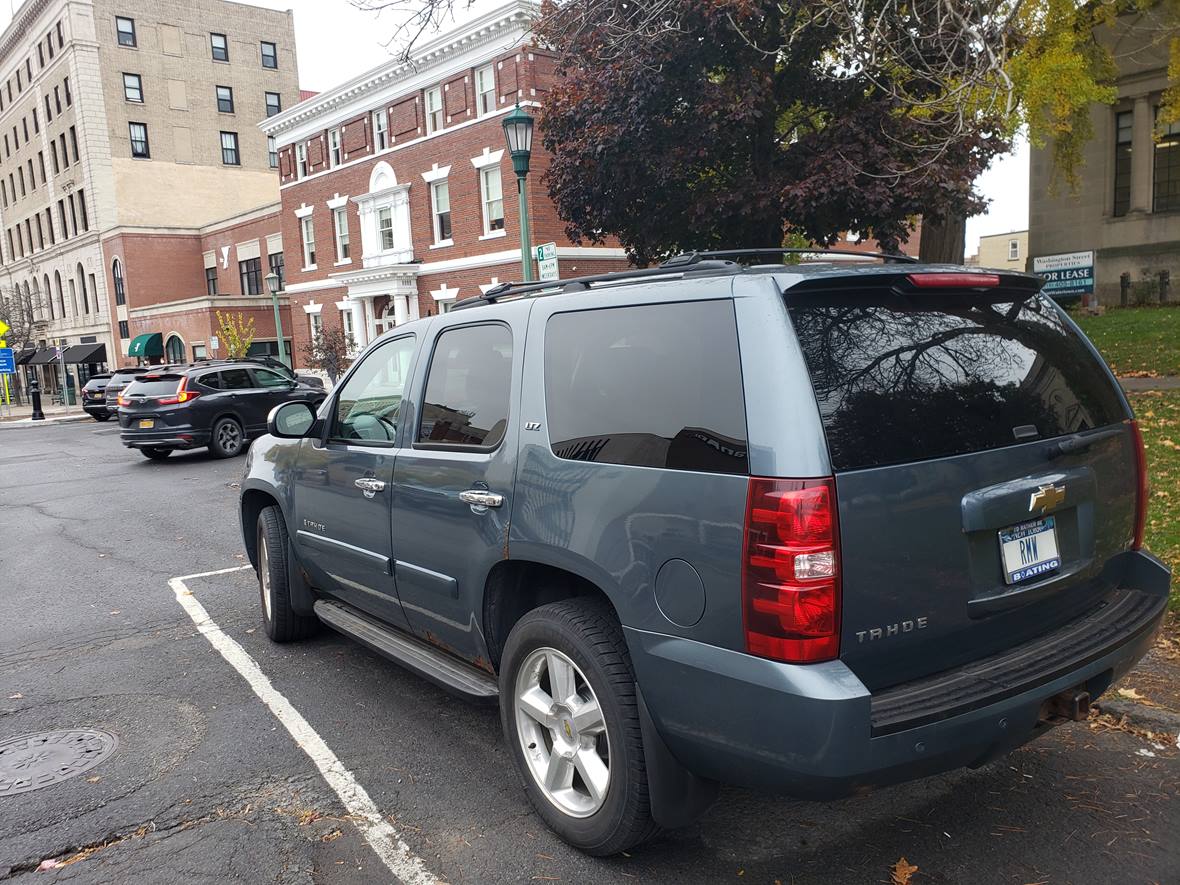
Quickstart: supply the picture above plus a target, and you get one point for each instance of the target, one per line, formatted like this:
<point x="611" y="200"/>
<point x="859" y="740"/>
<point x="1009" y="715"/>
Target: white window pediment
<point x="312" y="308"/>
<point x="436" y="173"/>
<point x="487" y="158"/>
<point x="338" y="201"/>
<point x="304" y="210"/>
<point x="445" y="293"/>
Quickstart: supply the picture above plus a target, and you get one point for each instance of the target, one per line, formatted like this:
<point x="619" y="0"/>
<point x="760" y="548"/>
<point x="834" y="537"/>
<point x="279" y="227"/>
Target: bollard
<point x="1165" y="284"/>
<point x="1124" y="288"/>
<point x="35" y="396"/>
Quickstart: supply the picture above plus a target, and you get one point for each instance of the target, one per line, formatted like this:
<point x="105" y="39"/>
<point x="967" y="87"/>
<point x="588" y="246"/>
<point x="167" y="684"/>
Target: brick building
<point x="398" y="196"/>
<point x="128" y="143"/>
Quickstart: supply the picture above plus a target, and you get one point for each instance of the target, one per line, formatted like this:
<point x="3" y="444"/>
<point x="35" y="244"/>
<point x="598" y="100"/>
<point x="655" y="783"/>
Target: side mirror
<point x="290" y="420"/>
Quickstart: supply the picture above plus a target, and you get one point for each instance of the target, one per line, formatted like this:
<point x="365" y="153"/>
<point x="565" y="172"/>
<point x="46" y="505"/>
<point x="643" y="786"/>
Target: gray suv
<point x="812" y="528"/>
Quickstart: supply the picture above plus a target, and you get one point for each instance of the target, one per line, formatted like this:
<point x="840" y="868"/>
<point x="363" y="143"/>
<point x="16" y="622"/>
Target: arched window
<point x="47" y="297"/>
<point x="117" y="274"/>
<point x="174" y="349"/>
<point x="61" y="298"/>
<point x="81" y="272"/>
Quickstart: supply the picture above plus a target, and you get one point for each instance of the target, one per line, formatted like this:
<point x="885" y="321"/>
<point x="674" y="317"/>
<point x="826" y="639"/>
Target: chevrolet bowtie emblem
<point x="1046" y="498"/>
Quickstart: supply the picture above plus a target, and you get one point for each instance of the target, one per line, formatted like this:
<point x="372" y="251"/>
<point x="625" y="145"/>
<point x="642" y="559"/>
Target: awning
<point x="87" y="353"/>
<point x="25" y="355"/>
<point x="147" y="345"/>
<point x="41" y="357"/>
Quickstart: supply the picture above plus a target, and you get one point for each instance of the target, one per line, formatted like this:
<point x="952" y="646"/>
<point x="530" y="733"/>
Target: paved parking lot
<point x="208" y="783"/>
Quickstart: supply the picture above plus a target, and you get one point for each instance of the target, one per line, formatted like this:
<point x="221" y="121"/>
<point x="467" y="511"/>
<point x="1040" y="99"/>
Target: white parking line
<point x="378" y="832"/>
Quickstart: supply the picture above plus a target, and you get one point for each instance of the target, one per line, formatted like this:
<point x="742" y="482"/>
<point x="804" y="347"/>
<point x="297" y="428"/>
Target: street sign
<point x="213" y="344"/>
<point x="1066" y="275"/>
<point x="547" y="262"/>
<point x="7" y="361"/>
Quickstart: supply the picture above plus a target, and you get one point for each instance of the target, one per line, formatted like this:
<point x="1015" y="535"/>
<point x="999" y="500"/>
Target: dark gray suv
<point x="811" y="528"/>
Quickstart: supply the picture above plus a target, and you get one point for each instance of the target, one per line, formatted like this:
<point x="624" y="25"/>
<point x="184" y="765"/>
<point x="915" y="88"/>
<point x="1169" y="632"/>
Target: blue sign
<point x="7" y="361"/>
<point x="1066" y="275"/>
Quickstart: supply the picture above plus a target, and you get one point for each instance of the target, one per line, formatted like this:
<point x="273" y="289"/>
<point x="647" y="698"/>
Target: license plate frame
<point x="1029" y="549"/>
<point x="147" y="423"/>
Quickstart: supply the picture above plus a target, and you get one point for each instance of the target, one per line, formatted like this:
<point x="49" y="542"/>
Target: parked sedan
<point x="94" y="397"/>
<point x="216" y="405"/>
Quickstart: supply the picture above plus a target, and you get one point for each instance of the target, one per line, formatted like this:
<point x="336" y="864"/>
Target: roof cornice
<point x="514" y="18"/>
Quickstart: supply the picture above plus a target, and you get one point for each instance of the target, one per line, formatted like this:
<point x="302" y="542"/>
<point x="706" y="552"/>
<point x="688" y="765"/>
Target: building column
<point x="360" y="328"/>
<point x="370" y="320"/>
<point x="401" y="310"/>
<point x="1142" y="153"/>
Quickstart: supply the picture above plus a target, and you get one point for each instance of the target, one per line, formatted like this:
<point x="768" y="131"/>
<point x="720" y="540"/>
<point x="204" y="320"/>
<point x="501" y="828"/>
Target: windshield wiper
<point x="1080" y="442"/>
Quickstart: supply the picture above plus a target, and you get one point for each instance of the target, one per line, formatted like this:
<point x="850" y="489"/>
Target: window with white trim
<point x="307" y="230"/>
<point x="385" y="228"/>
<point x="316" y="322"/>
<point x="485" y="90"/>
<point x="1013" y="250"/>
<point x="440" y="198"/>
<point x="333" y="147"/>
<point x="349" y="330"/>
<point x="301" y="159"/>
<point x="272" y="151"/>
<point x="434" y="110"/>
<point x="380" y="130"/>
<point x="340" y="224"/>
<point x="492" y="194"/>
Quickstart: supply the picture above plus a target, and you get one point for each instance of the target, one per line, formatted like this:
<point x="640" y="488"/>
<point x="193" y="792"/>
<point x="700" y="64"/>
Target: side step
<point x="412" y="653"/>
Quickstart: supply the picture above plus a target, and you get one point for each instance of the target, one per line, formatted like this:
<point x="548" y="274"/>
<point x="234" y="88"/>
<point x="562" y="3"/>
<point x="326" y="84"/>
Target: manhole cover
<point x="31" y="761"/>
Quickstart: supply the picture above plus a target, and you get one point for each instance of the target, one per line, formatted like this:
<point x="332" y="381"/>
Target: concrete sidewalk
<point x="1158" y="382"/>
<point x="22" y="415"/>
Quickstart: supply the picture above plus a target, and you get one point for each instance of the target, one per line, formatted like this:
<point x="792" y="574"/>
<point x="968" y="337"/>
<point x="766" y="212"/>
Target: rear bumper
<point x="808" y="730"/>
<point x="98" y="410"/>
<point x="168" y="438"/>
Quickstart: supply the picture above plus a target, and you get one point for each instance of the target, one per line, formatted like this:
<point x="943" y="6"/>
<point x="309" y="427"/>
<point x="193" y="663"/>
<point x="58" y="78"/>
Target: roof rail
<point x="582" y="284"/>
<point x="690" y="258"/>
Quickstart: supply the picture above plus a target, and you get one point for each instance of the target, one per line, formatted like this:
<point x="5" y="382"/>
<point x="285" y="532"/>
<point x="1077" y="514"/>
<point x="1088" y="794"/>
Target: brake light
<point x="1142" y="487"/>
<point x="954" y="280"/>
<point x="791" y="570"/>
<point x="182" y="395"/>
<point x="123" y="401"/>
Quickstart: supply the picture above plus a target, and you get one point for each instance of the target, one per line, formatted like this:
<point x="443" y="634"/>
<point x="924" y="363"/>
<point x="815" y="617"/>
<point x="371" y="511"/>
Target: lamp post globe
<point x="518" y="132"/>
<point x="272" y="286"/>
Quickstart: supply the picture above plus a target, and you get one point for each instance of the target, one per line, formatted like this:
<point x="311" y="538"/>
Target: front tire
<point x="280" y="620"/>
<point x="571" y="720"/>
<point x="227" y="439"/>
<point x="155" y="454"/>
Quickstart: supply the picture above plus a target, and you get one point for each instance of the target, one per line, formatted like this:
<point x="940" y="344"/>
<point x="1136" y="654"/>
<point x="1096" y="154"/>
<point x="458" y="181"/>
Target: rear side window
<point x="649" y="386"/>
<point x="212" y="380"/>
<point x="467" y="388"/>
<point x="236" y="379"/>
<point x="902" y="378"/>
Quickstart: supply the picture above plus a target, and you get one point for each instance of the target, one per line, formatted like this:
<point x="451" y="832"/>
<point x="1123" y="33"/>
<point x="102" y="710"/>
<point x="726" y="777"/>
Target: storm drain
<point x="31" y="761"/>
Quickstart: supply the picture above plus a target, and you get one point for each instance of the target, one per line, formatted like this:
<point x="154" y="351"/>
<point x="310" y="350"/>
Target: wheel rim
<point x="228" y="436"/>
<point x="264" y="573"/>
<point x="562" y="732"/>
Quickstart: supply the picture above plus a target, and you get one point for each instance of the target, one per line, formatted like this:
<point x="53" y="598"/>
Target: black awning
<point x="41" y="357"/>
<point x="25" y="355"/>
<point x="87" y="353"/>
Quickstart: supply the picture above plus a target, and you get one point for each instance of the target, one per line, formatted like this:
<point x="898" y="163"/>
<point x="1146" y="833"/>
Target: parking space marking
<point x="381" y="835"/>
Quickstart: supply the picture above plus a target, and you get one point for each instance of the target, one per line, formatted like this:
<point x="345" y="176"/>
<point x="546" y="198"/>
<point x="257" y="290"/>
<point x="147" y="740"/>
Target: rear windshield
<point x="124" y="377"/>
<point x="163" y="386"/>
<point x="906" y="378"/>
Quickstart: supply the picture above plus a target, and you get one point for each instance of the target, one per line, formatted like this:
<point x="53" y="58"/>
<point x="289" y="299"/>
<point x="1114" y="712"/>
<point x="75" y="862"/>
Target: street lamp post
<point x="518" y="131"/>
<point x="272" y="286"/>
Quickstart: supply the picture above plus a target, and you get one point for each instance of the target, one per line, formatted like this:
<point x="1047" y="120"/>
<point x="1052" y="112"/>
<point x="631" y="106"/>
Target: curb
<point x="1153" y="718"/>
<point x="26" y="422"/>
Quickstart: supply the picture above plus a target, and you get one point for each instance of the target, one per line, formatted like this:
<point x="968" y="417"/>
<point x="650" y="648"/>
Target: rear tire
<point x="101" y="417"/>
<point x="227" y="440"/>
<point x="155" y="454"/>
<point x="274" y="586"/>
<point x="559" y="753"/>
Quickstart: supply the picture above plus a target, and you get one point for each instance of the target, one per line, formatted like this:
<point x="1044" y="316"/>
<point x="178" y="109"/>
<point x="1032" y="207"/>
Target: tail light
<point x="791" y="570"/>
<point x="182" y="395"/>
<point x="943" y="280"/>
<point x="1142" y="487"/>
<point x="122" y="400"/>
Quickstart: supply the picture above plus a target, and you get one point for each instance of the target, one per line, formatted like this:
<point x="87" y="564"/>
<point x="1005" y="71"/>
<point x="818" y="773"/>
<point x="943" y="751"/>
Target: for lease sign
<point x="1071" y="273"/>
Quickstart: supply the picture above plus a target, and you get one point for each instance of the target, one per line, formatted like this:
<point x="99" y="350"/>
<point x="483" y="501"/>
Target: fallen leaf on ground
<point x="15" y="697"/>
<point x="902" y="872"/>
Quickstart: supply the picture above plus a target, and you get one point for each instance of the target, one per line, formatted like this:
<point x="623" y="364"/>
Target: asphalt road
<point x="208" y="786"/>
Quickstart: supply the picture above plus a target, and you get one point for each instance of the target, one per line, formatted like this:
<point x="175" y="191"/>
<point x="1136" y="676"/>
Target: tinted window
<point x="267" y="378"/>
<point x="211" y="380"/>
<point x="370" y="402"/>
<point x="907" y="378"/>
<point x="652" y="386"/>
<point x="236" y="379"/>
<point x="163" y="386"/>
<point x="466" y="401"/>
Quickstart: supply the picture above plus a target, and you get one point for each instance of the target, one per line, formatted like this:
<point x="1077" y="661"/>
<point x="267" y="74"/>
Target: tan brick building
<point x="398" y="196"/>
<point x="128" y="135"/>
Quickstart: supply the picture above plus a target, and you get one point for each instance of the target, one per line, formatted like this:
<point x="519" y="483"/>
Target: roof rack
<point x="582" y="284"/>
<point x="691" y="258"/>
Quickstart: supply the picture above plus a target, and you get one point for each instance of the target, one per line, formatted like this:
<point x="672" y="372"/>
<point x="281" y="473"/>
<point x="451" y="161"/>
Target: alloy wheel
<point x="264" y="572"/>
<point x="229" y="437"/>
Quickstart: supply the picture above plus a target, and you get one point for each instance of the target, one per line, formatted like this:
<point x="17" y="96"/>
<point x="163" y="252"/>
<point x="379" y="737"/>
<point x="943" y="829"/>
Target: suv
<point x="218" y="405"/>
<point x="94" y="398"/>
<point x="812" y="528"/>
<point x="119" y="380"/>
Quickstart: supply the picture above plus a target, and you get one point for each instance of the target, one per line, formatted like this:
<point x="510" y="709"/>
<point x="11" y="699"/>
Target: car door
<point x="238" y="387"/>
<point x="343" y="484"/>
<point x="273" y="389"/>
<point x="453" y="482"/>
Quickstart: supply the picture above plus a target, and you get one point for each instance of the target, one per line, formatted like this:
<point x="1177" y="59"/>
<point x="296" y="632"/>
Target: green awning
<point x="147" y="345"/>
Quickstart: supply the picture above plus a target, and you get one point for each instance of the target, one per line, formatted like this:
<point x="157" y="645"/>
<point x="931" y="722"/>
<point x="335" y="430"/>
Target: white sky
<point x="336" y="41"/>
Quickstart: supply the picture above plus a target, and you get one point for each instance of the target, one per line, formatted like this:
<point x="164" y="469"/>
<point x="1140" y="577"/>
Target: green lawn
<point x="1159" y="418"/>
<point x="1136" y="340"/>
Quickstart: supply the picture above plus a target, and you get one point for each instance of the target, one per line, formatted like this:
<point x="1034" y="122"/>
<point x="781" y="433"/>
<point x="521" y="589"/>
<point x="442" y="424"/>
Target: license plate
<point x="1029" y="549"/>
<point x="146" y="423"/>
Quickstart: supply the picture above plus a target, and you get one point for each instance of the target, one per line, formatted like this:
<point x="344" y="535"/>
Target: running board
<point x="412" y="653"/>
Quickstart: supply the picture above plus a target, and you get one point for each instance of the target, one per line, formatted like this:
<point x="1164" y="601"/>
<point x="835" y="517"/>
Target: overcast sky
<point x="336" y="41"/>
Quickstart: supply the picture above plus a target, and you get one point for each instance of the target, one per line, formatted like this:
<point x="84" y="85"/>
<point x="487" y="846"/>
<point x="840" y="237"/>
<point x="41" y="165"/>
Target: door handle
<point x="481" y="498"/>
<point x="370" y="486"/>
